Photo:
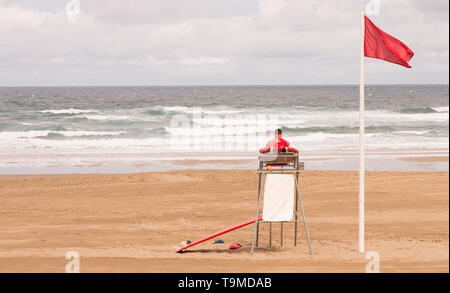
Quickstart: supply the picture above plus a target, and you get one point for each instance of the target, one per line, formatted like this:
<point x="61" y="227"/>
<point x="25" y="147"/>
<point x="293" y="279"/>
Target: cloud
<point x="214" y="42"/>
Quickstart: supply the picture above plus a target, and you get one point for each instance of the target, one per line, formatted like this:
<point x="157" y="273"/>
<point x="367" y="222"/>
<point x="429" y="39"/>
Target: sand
<point x="130" y="223"/>
<point x="426" y="159"/>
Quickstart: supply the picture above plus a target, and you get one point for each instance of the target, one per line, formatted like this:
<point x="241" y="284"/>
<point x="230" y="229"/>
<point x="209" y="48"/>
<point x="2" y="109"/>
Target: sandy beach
<point x="131" y="222"/>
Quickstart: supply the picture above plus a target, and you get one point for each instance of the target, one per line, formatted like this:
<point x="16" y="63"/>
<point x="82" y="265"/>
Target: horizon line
<point x="227" y="85"/>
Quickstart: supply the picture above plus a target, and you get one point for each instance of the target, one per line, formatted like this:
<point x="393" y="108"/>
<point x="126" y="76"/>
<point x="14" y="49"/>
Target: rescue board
<point x="218" y="233"/>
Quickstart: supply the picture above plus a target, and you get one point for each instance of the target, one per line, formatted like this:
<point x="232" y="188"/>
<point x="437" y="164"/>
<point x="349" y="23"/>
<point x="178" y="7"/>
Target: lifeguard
<point x="278" y="144"/>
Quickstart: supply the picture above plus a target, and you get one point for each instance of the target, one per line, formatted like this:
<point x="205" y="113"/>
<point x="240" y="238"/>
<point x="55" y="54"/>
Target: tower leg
<point x="257" y="216"/>
<point x="296" y="212"/>
<point x="303" y="215"/>
<point x="281" y="235"/>
<point x="259" y="191"/>
<point x="270" y="234"/>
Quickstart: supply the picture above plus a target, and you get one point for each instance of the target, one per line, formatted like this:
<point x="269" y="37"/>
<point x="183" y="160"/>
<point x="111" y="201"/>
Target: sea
<point x="60" y="130"/>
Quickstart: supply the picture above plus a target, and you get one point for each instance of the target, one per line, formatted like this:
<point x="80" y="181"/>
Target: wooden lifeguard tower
<point x="287" y="164"/>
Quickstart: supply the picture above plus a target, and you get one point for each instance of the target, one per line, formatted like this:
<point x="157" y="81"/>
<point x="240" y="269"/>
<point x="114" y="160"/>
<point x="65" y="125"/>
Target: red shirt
<point x="278" y="143"/>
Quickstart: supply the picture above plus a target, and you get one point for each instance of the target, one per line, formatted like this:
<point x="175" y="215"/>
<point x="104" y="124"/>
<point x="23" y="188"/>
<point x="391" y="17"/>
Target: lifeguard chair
<point x="278" y="182"/>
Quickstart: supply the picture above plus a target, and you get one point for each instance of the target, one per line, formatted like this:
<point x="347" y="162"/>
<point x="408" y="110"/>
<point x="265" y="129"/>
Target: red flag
<point x="380" y="45"/>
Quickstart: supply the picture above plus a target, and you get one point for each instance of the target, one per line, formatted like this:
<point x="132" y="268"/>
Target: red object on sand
<point x="235" y="246"/>
<point x="223" y="231"/>
<point x="380" y="45"/>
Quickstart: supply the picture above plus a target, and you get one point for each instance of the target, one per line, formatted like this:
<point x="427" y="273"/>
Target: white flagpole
<point x="361" y="141"/>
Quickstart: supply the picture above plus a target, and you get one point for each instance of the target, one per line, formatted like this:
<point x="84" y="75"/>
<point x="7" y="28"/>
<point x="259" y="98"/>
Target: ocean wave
<point x="418" y="110"/>
<point x="242" y="121"/>
<point x="441" y="109"/>
<point x="54" y="134"/>
<point x="144" y="129"/>
<point x="105" y="117"/>
<point x="155" y="111"/>
<point x="72" y="111"/>
<point x="181" y="109"/>
<point x="158" y="130"/>
<point x="25" y="127"/>
<point x="338" y="129"/>
<point x="219" y="110"/>
<point x="216" y="131"/>
<point x="417" y="130"/>
<point x="119" y="118"/>
<point x="222" y="111"/>
<point x="157" y="144"/>
<point x="373" y="140"/>
<point x="293" y="117"/>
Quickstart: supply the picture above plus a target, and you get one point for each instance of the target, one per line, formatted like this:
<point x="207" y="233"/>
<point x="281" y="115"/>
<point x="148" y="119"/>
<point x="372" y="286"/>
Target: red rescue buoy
<point x="235" y="246"/>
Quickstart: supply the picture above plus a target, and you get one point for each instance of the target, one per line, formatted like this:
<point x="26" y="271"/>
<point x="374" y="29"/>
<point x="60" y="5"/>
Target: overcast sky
<point x="212" y="42"/>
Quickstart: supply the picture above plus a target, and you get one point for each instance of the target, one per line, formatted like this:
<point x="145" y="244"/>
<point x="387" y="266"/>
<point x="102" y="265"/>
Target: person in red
<point x="278" y="144"/>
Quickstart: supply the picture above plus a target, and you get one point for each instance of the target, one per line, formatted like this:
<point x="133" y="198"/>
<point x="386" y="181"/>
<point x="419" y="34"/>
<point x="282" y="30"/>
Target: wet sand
<point x="427" y="159"/>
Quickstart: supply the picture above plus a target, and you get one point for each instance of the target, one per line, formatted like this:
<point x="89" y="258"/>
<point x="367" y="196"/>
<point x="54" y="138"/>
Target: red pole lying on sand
<point x="223" y="231"/>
